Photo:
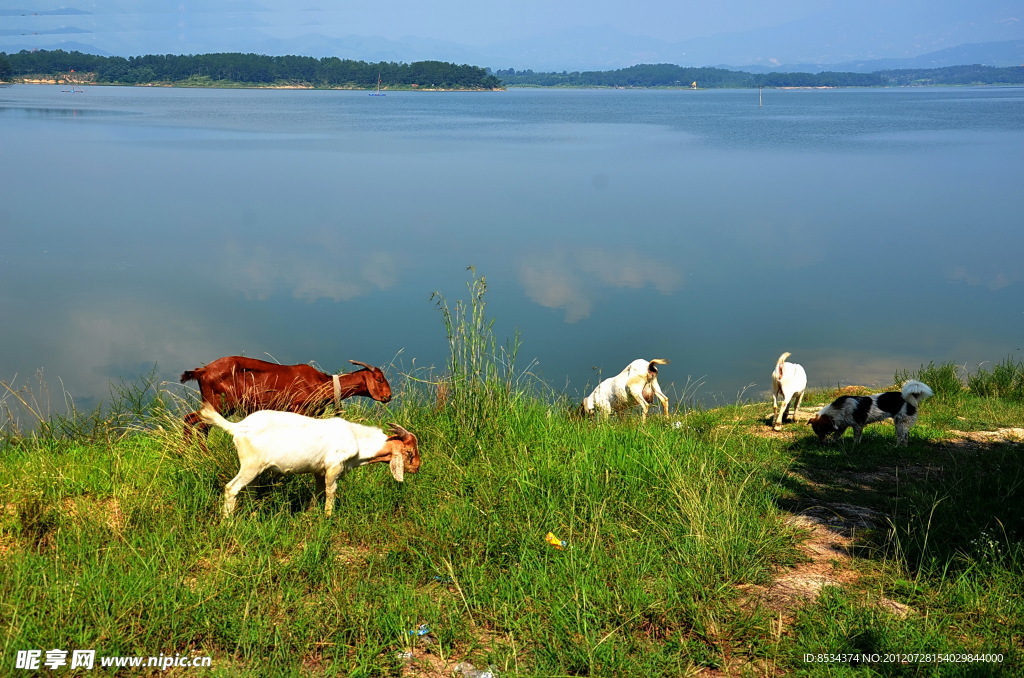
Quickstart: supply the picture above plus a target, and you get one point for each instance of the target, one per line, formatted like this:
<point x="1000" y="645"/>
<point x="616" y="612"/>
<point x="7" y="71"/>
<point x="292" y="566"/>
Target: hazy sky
<point x="464" y="21"/>
<point x="473" y="22"/>
<point x="527" y="33"/>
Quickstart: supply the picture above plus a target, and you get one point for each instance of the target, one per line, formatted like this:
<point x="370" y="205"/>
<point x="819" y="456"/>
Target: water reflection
<point x="311" y="267"/>
<point x="993" y="280"/>
<point x="41" y="112"/>
<point x="866" y="232"/>
<point x="54" y="112"/>
<point x="574" y="281"/>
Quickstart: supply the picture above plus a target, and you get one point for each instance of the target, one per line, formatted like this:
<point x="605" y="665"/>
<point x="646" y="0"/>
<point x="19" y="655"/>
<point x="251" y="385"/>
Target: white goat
<point x="288" y="443"/>
<point x="635" y="385"/>
<point x="789" y="381"/>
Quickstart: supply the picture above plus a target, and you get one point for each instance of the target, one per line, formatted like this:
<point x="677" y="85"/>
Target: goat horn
<point x="398" y="430"/>
<point x="356" y="362"/>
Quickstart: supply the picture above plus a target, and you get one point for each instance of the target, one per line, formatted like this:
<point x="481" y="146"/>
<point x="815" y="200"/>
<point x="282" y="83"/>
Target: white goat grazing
<point x="288" y="443"/>
<point x="635" y="385"/>
<point x="789" y="381"/>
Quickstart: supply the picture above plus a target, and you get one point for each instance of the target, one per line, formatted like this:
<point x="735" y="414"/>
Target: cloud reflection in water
<point x="573" y="281"/>
<point x="328" y="266"/>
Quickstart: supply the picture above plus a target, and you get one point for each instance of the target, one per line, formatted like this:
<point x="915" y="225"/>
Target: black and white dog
<point x="859" y="411"/>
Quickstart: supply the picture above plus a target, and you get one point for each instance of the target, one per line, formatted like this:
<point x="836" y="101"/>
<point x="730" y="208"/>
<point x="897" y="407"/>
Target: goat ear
<point x="361" y="364"/>
<point x="397" y="465"/>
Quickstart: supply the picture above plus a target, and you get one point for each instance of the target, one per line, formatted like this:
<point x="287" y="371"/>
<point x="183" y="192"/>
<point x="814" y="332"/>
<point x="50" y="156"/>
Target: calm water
<point x="865" y="231"/>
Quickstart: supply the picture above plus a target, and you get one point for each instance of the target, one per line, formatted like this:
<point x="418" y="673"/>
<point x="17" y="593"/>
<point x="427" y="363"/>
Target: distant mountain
<point x="863" y="36"/>
<point x="848" y="33"/>
<point x="1005" y="53"/>
<point x="66" y="45"/>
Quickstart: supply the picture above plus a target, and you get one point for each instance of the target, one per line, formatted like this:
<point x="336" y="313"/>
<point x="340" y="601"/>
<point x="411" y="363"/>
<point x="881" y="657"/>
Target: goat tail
<point x="652" y="366"/>
<point x="779" y="363"/>
<point x="211" y="416"/>
<point x="191" y="375"/>
<point x="915" y="391"/>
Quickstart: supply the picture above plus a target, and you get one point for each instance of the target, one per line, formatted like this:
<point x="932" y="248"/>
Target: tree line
<point x="668" y="75"/>
<point x="244" y="69"/>
<point x="262" y="70"/>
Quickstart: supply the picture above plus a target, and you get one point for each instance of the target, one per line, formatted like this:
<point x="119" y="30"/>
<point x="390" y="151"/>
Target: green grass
<point x="111" y="539"/>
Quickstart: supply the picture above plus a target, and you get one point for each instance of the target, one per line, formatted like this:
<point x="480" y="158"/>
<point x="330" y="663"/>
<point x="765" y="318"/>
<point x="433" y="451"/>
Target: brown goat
<point x="236" y="384"/>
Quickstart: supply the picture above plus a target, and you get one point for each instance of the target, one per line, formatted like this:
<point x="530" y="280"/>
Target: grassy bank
<point x="676" y="533"/>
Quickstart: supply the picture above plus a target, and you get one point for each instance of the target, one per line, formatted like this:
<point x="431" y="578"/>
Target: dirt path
<point x="831" y="527"/>
<point x="830" y="530"/>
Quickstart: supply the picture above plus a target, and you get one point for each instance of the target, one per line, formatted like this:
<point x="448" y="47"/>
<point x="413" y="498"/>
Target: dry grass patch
<point x="830" y="531"/>
<point x="426" y="660"/>
<point x="107" y="512"/>
<point x="986" y="438"/>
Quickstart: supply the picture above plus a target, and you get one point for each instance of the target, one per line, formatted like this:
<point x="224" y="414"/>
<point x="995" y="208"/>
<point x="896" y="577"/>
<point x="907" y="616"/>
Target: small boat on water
<point x="378" y="93"/>
<point x="75" y="89"/>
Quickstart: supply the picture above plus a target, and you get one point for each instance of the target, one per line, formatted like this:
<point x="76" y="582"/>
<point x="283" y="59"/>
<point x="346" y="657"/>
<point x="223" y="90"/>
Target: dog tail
<point x="652" y="365"/>
<point x="914" y="392"/>
<point x="780" y="362"/>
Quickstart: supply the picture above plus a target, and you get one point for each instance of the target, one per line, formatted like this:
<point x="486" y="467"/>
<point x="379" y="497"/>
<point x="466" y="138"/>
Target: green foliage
<point x="250" y="69"/>
<point x="944" y="379"/>
<point x="115" y="543"/>
<point x="967" y="517"/>
<point x="669" y="75"/>
<point x="1004" y="380"/>
<point x="224" y="69"/>
<point x="482" y="382"/>
<point x="974" y="74"/>
<point x="131" y="404"/>
<point x="125" y="541"/>
<point x="848" y="636"/>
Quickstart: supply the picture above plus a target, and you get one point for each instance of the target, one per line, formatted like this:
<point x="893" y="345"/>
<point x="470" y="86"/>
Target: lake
<point x="865" y="231"/>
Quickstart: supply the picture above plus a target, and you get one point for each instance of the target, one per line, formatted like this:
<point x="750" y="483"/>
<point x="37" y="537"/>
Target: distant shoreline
<point x="171" y="85"/>
<point x="166" y="85"/>
<point x="252" y="71"/>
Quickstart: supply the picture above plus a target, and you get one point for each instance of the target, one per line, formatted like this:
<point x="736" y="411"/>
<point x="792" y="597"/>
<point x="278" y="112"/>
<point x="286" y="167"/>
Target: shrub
<point x="943" y="379"/>
<point x="1006" y="380"/>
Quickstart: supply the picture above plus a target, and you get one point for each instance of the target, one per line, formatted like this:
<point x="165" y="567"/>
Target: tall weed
<point x="28" y="411"/>
<point x="482" y="380"/>
<point x="943" y="379"/>
<point x="1004" y="380"/>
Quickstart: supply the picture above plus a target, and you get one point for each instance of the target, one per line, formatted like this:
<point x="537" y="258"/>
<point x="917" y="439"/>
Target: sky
<point x="466" y="21"/>
<point x="564" y="34"/>
<point x="473" y="22"/>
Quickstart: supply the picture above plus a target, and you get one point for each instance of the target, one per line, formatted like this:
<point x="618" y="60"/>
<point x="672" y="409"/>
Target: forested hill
<point x="254" y="70"/>
<point x="668" y="75"/>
